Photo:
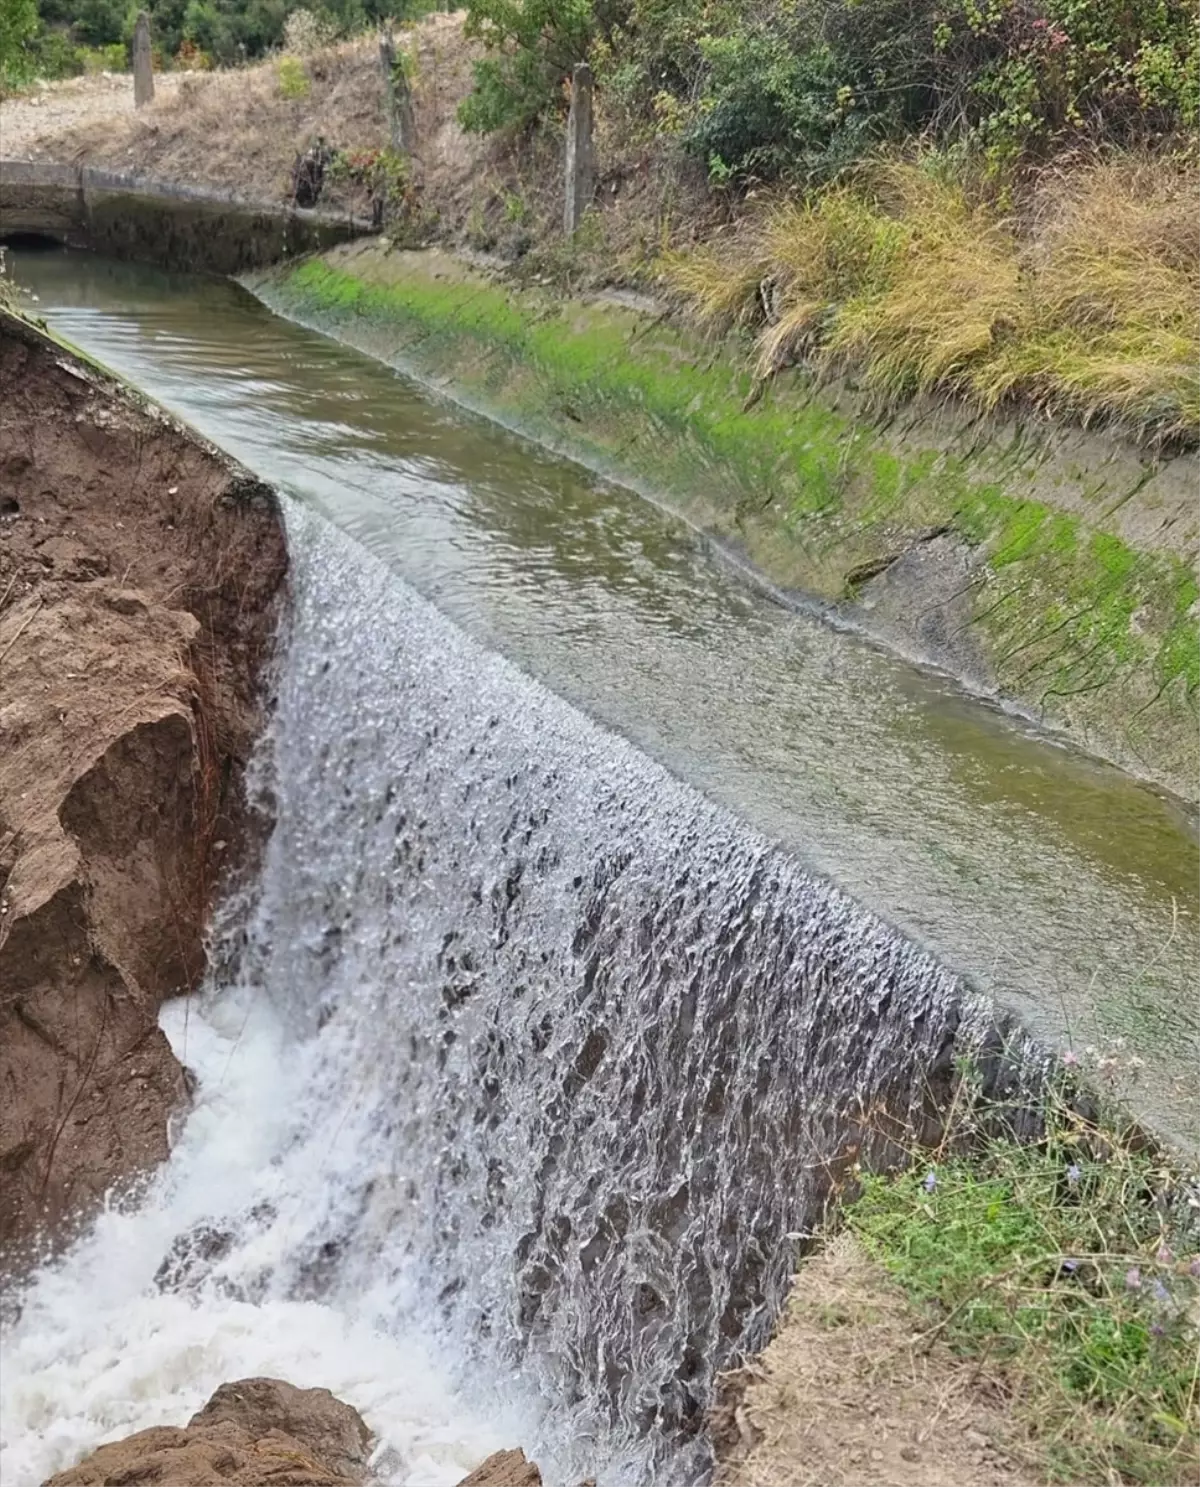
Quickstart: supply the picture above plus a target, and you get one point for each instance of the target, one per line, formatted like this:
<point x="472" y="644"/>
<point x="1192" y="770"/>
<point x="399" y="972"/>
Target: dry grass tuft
<point x="722" y="290"/>
<point x="1092" y="311"/>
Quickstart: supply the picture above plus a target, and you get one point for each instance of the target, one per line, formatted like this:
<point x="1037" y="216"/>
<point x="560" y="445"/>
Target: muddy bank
<point x="1051" y="568"/>
<point x="140" y="578"/>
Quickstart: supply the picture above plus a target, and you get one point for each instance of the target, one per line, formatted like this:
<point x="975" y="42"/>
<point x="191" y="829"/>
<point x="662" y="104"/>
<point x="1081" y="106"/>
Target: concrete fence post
<point x="581" y="175"/>
<point x="143" y="65"/>
<point x="402" y="124"/>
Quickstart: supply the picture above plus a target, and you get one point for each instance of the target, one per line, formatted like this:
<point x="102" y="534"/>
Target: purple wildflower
<point x="1073" y="1175"/>
<point x="1164" y="1256"/>
<point x="1161" y="1294"/>
<point x="1070" y="1058"/>
<point x="1194" y="1267"/>
<point x="1157" y="1329"/>
<point x="1070" y="1266"/>
<point x="930" y="1182"/>
<point x="1133" y="1279"/>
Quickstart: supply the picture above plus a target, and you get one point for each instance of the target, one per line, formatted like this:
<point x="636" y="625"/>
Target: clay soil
<point x="852" y="1392"/>
<point x="140" y="578"/>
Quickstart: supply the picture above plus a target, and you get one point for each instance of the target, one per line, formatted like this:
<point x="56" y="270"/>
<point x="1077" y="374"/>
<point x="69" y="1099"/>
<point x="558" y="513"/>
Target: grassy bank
<point x="998" y="1311"/>
<point x="1062" y="609"/>
<point x="1067" y="1272"/>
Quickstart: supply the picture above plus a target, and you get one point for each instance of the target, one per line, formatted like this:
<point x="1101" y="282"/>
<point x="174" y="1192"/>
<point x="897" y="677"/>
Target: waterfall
<point x="552" y="1061"/>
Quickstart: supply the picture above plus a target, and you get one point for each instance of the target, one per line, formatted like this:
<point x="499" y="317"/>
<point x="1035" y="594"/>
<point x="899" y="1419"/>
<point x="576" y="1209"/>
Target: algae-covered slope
<point x="1055" y="569"/>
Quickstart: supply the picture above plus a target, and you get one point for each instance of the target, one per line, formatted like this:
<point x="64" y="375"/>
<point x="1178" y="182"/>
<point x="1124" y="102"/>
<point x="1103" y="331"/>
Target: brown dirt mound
<point x="847" y="1394"/>
<point x="140" y="574"/>
<point x="253" y="1433"/>
<point x="265" y="1433"/>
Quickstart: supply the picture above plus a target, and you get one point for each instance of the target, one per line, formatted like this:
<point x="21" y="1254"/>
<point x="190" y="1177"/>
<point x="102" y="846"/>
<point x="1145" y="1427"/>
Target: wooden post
<point x="143" y="65"/>
<point x="402" y="125"/>
<point x="580" y="169"/>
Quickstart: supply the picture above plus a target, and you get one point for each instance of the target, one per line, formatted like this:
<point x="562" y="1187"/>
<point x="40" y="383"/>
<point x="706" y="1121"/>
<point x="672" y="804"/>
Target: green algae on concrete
<point x="1027" y="555"/>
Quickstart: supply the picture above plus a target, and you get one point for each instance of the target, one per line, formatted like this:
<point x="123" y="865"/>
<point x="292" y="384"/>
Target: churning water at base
<point x="530" y="1062"/>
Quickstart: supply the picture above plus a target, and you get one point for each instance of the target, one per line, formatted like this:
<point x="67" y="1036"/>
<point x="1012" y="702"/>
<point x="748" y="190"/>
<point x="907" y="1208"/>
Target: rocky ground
<point x="140" y="579"/>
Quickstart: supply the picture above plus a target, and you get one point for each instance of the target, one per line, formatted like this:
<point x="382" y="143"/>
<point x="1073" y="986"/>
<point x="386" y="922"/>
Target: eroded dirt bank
<point x="140" y="578"/>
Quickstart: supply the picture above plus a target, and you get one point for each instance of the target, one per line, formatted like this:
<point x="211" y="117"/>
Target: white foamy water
<point x="101" y="1351"/>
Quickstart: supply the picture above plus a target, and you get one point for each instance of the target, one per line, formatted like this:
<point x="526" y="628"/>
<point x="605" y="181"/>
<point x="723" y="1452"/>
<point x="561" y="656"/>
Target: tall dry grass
<point x="1087" y="307"/>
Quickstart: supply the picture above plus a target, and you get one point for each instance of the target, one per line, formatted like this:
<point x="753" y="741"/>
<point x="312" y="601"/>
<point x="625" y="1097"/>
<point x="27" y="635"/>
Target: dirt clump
<point x="504" y="1469"/>
<point x="252" y="1433"/>
<point x="265" y="1433"/>
<point x="849" y="1394"/>
<point x="140" y="579"/>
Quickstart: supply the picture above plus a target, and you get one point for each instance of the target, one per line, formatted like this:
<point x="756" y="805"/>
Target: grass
<point x="1088" y="307"/>
<point x="1068" y="1270"/>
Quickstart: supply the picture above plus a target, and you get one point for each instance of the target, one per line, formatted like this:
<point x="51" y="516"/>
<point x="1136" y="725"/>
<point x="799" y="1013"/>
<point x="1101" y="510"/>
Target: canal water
<point x="1050" y="881"/>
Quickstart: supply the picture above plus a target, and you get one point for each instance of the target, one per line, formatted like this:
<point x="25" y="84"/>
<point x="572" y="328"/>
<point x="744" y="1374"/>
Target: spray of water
<point x="529" y="1063"/>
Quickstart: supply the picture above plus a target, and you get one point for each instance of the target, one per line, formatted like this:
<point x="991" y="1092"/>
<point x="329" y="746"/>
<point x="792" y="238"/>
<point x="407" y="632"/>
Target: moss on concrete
<point x="1073" y="621"/>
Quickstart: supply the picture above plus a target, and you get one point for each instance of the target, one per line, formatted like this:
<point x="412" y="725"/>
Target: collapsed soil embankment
<point x="140" y="578"/>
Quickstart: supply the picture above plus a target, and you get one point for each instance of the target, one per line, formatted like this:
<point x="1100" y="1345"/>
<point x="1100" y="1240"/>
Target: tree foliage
<point x="764" y="89"/>
<point x="18" y="23"/>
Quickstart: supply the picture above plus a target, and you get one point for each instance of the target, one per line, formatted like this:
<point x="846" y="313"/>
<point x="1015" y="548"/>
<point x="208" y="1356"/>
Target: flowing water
<point x="533" y="1056"/>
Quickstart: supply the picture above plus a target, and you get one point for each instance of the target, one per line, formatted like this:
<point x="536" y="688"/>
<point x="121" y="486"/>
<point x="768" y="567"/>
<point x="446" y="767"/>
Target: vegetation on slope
<point x="1093" y="310"/>
<point x="63" y="38"/>
<point x="1068" y="1270"/>
<point x="996" y="200"/>
<point x="762" y="90"/>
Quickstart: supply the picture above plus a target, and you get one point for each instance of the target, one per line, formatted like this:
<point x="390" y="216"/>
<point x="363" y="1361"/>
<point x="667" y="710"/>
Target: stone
<point x="252" y="1433"/>
<point x="334" y="1432"/>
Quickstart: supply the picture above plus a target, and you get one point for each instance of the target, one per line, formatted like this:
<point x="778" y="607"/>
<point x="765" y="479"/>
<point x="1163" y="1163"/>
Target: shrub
<point x="535" y="44"/>
<point x="54" y="55"/>
<point x="111" y="58"/>
<point x="18" y="24"/>
<point x="304" y="32"/>
<point x="770" y="89"/>
<point x="293" y="80"/>
<point x="804" y="92"/>
<point x="1024" y="75"/>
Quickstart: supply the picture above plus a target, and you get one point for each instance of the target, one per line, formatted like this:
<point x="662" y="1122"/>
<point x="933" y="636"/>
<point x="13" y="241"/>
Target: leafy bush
<point x="764" y="89"/>
<point x="535" y="44"/>
<point x="305" y="32"/>
<point x="18" y="24"/>
<point x="91" y="59"/>
<point x="1022" y="76"/>
<point x="294" y="82"/>
<point x="227" y="31"/>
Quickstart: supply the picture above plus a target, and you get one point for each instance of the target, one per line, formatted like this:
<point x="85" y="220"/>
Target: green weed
<point x="293" y="79"/>
<point x="1069" y="1270"/>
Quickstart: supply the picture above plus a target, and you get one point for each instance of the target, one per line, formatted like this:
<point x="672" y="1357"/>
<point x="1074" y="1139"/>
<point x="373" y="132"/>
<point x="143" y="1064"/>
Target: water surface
<point x="1054" y="882"/>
